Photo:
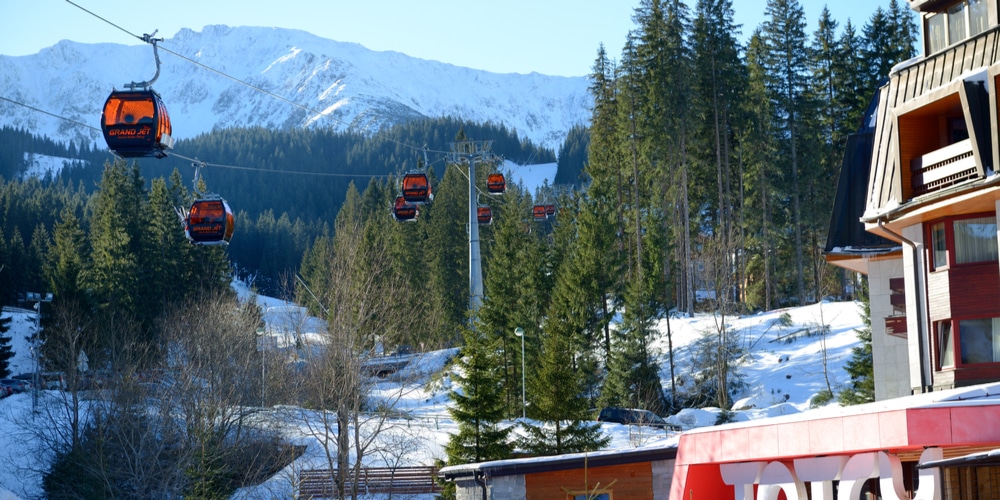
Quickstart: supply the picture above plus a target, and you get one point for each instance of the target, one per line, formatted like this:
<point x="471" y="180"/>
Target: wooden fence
<point x="319" y="483"/>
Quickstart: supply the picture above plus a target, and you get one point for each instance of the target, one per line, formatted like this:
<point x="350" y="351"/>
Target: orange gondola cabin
<point x="210" y="222"/>
<point x="404" y="211"/>
<point x="484" y="215"/>
<point x="538" y="212"/>
<point x="496" y="183"/>
<point x="417" y="188"/>
<point x="550" y="210"/>
<point x="136" y="124"/>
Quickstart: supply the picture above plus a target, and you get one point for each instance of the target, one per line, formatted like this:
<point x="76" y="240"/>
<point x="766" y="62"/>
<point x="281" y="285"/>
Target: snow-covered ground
<point x="783" y="370"/>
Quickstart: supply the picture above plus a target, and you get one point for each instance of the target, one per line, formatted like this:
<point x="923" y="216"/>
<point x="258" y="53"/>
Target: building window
<point x="936" y="32"/>
<point x="939" y="246"/>
<point x="958" y="241"/>
<point x="946" y="349"/>
<point x="956" y="23"/>
<point x="975" y="240"/>
<point x="976" y="341"/>
<point x="961" y="21"/>
<point x="979" y="340"/>
<point x="977" y="17"/>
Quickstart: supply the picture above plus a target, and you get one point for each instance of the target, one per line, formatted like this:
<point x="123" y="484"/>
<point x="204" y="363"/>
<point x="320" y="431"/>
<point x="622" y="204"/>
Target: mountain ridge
<point x="341" y="85"/>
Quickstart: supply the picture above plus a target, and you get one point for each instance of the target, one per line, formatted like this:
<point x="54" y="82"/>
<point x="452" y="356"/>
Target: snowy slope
<point x="782" y="360"/>
<point x="328" y="83"/>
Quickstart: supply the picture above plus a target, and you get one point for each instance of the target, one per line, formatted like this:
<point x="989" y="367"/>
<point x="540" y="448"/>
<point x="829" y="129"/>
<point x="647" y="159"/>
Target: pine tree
<point x="850" y="76"/>
<point x="447" y="251"/>
<point x="512" y="299"/>
<point x="757" y="151"/>
<point x="6" y="351"/>
<point x="860" y="366"/>
<point x="879" y="47"/>
<point x="557" y="392"/>
<point x="633" y="377"/>
<point x="169" y="277"/>
<point x="565" y="370"/>
<point x="479" y="406"/>
<point x="717" y="88"/>
<point x="117" y="241"/>
<point x="786" y="65"/>
<point x="601" y="221"/>
<point x="67" y="258"/>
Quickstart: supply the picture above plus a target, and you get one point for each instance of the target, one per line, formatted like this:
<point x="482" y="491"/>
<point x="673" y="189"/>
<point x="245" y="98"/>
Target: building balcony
<point x="943" y="168"/>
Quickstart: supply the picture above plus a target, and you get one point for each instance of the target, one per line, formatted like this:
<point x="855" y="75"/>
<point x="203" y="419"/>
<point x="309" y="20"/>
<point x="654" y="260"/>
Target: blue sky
<point x="553" y="37"/>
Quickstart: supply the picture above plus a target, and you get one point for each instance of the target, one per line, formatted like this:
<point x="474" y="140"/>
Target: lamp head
<point x="519" y="331"/>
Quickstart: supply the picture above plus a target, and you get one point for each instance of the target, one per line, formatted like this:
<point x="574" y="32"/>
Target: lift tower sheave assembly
<point x="471" y="152"/>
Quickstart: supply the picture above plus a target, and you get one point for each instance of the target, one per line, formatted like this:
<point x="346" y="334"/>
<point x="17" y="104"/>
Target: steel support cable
<point x="241" y="82"/>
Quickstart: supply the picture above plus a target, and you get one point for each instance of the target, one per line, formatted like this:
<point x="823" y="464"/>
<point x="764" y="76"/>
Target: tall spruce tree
<point x="565" y="370"/>
<point x="447" y="251"/>
<point x="67" y="258"/>
<point x="786" y="62"/>
<point x="557" y="389"/>
<point x="512" y="299"/>
<point x="601" y="219"/>
<point x="850" y="76"/>
<point x="479" y="406"/>
<point x="633" y="377"/>
<point x="757" y="151"/>
<point x="117" y="241"/>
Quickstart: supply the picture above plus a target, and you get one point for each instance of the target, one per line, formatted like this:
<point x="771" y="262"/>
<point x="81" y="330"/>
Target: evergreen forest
<point x="704" y="182"/>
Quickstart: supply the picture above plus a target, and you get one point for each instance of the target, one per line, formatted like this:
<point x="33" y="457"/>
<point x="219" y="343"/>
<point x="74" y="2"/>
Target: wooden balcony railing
<point x="943" y="168"/>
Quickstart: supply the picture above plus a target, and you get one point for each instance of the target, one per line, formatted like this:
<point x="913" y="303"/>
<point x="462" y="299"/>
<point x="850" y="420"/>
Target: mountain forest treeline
<point x="704" y="182"/>
<point x="286" y="187"/>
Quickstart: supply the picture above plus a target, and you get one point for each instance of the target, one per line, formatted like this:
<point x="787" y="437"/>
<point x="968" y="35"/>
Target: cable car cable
<point x="242" y="82"/>
<point x="260" y="169"/>
<point x="174" y="153"/>
<point x="50" y="114"/>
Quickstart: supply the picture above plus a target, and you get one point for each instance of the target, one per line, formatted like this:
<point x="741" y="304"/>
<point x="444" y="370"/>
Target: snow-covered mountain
<point x="329" y="83"/>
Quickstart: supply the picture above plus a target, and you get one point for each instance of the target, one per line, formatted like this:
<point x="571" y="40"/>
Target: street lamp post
<point x="37" y="298"/>
<point x="260" y="335"/>
<point x="524" y="403"/>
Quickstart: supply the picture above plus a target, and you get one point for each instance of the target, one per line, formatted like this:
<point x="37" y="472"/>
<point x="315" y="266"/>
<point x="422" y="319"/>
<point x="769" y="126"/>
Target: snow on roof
<point x="663" y="449"/>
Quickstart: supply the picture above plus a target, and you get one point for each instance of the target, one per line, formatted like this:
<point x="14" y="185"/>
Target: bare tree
<point x="209" y="382"/>
<point x="368" y="312"/>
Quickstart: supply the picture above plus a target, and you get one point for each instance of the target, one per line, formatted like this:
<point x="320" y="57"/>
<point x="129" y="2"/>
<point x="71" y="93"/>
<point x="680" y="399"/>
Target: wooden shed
<point x="643" y="473"/>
